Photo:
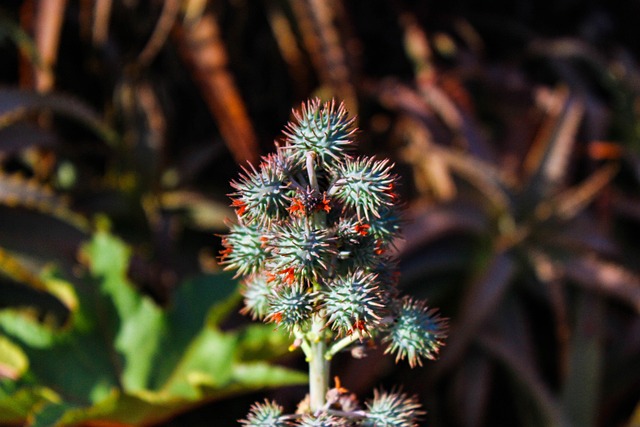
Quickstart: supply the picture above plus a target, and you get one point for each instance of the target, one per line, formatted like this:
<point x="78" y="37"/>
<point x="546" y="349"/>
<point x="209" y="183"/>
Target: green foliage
<point x="121" y="358"/>
<point x="13" y="361"/>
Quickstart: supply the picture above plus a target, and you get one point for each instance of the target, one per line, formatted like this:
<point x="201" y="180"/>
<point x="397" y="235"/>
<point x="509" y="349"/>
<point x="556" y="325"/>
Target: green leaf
<point x="13" y="361"/>
<point x="128" y="409"/>
<point x="31" y="292"/>
<point x="49" y="415"/>
<point x="196" y="302"/>
<point x="125" y="360"/>
<point x="16" y="405"/>
<point x="207" y="361"/>
<point x="262" y="342"/>
<point x="17" y="191"/>
<point x="260" y="374"/>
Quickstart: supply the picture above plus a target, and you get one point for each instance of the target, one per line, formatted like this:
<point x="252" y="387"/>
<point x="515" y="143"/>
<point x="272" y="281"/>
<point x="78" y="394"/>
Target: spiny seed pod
<point x="392" y="409"/>
<point x="256" y="291"/>
<point x="385" y="227"/>
<point x="315" y="227"/>
<point x="354" y="303"/>
<point x="388" y="276"/>
<point x="356" y="247"/>
<point x="324" y="130"/>
<point x="244" y="249"/>
<point x="290" y="306"/>
<point x="350" y="230"/>
<point x="300" y="252"/>
<point x="261" y="194"/>
<point x="322" y="420"/>
<point x="360" y="255"/>
<point x="267" y="414"/>
<point x="364" y="185"/>
<point x="417" y="332"/>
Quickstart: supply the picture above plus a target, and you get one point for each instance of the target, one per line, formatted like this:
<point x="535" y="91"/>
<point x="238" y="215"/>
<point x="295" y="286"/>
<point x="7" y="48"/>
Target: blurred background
<point x="514" y="126"/>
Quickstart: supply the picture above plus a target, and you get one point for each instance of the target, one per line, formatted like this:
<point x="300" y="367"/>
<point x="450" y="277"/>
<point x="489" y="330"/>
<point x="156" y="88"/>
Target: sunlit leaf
<point x="13" y="361"/>
<point x="202" y="213"/>
<point x="546" y="164"/>
<point x="23" y="286"/>
<point x="16" y="191"/>
<point x="16" y="403"/>
<point x="634" y="421"/>
<point x="605" y="277"/>
<point x="125" y="360"/>
<point x="574" y="200"/>
<point x="14" y="268"/>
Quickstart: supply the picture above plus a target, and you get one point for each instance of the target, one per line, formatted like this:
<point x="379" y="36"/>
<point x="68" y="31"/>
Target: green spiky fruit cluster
<point x="267" y="414"/>
<point x="314" y="230"/>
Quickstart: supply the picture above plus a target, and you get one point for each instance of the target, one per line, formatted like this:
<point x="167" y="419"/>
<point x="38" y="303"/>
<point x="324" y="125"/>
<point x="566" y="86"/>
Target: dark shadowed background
<point x="514" y="126"/>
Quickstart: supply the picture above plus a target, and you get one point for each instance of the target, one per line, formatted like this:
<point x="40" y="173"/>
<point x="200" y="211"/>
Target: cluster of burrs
<point x="312" y="238"/>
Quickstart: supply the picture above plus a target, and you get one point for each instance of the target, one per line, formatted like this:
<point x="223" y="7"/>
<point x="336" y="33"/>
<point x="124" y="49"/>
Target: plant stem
<point x="318" y="370"/>
<point x="318" y="364"/>
<point x="313" y="180"/>
<point x="340" y="345"/>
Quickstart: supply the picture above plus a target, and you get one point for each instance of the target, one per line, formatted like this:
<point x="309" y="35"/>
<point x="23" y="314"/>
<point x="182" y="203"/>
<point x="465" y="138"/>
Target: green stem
<point x="318" y="363"/>
<point x="318" y="368"/>
<point x="340" y="345"/>
<point x="318" y="376"/>
<point x="304" y="345"/>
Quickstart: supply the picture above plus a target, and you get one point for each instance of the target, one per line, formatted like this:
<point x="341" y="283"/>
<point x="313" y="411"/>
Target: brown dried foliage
<point x="518" y="152"/>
